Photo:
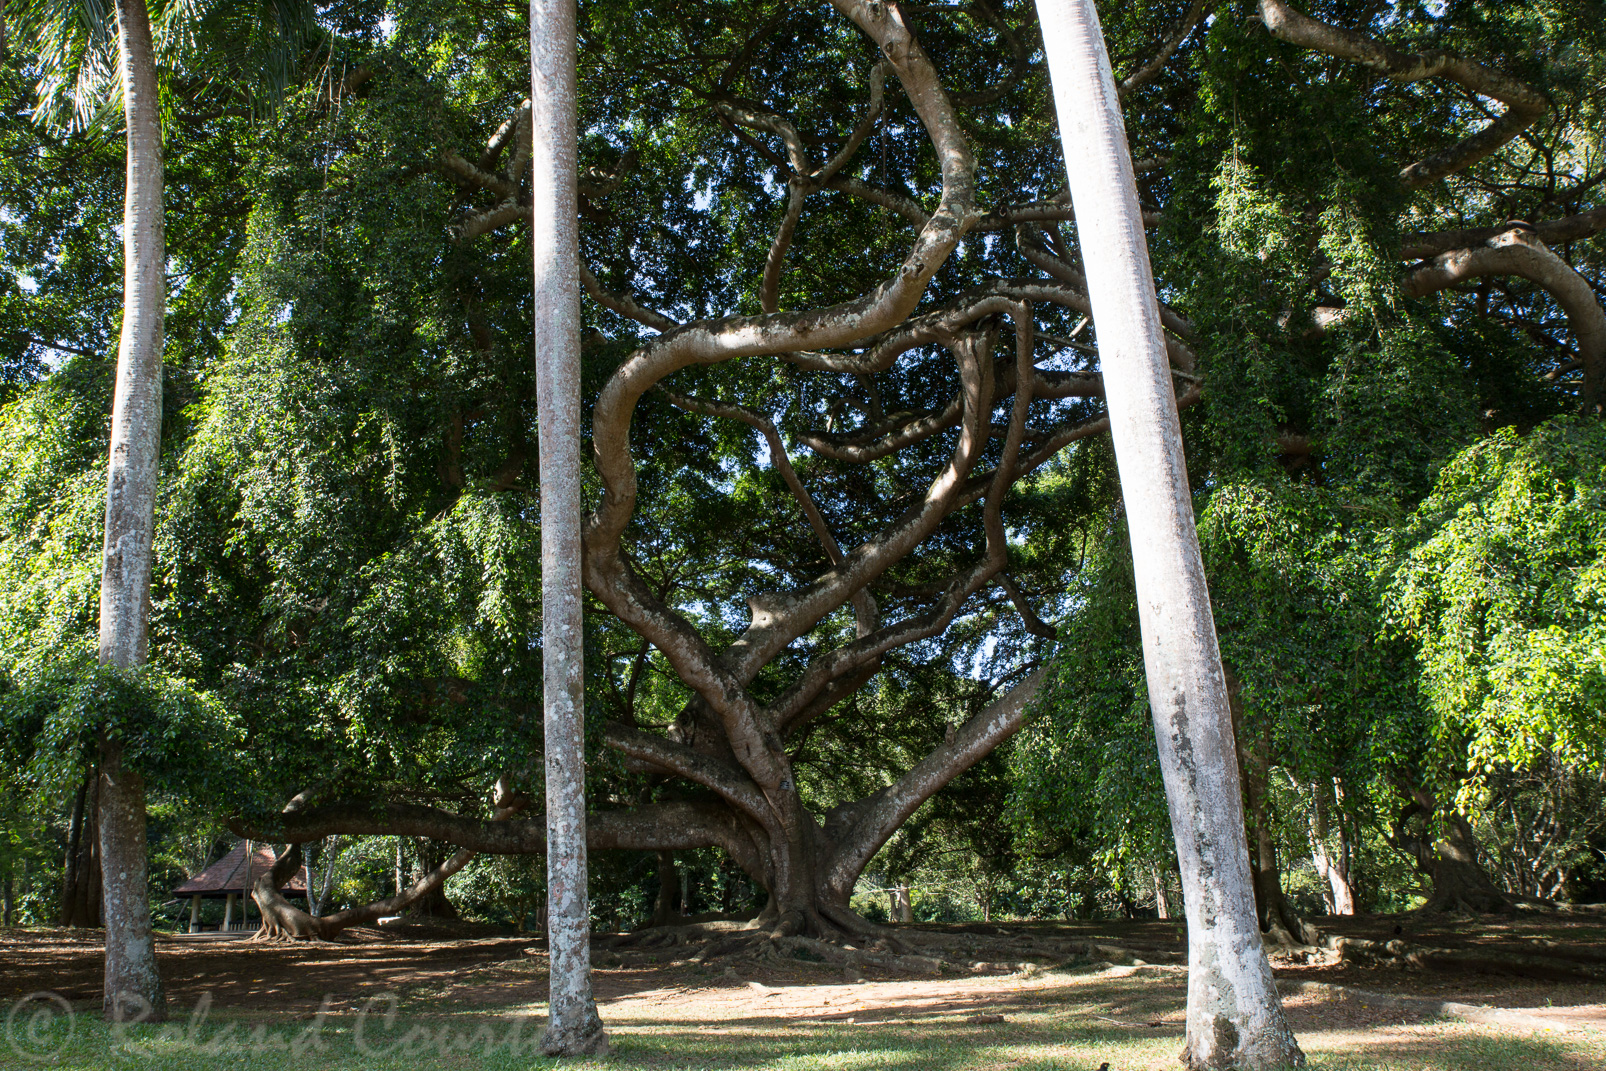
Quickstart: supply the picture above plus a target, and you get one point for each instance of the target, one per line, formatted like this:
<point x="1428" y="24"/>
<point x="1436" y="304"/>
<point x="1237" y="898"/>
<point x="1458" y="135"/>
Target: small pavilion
<point x="230" y="879"/>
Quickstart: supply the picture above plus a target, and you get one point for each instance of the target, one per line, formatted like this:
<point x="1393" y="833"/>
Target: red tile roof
<point x="229" y="875"/>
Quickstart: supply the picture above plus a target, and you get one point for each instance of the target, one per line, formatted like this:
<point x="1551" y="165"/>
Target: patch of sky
<point x="702" y="196"/>
<point x="980" y="659"/>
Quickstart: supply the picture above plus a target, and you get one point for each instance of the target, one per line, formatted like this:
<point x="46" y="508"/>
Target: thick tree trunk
<point x="1235" y="1017"/>
<point x="282" y="920"/>
<point x="80" y="893"/>
<point x="133" y="986"/>
<point x="1450" y="862"/>
<point x="573" y="1026"/>
<point x="434" y="903"/>
<point x="809" y="868"/>
<point x="667" y="909"/>
<point x="1459" y="880"/>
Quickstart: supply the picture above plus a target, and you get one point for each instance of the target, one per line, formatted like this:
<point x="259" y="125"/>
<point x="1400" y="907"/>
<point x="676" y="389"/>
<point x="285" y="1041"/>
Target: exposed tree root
<point x="907" y="952"/>
<point x="1563" y="963"/>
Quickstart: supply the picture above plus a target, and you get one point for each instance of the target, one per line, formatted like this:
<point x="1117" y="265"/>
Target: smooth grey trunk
<point x="1334" y="867"/>
<point x="573" y="1026"/>
<point x="902" y="905"/>
<point x="133" y="985"/>
<point x="1235" y="1019"/>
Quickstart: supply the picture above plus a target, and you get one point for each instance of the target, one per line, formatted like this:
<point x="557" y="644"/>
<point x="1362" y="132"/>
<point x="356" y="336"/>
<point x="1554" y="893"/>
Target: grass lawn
<point x="1066" y="1035"/>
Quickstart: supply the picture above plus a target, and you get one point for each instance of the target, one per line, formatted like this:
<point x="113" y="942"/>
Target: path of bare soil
<point x="467" y="966"/>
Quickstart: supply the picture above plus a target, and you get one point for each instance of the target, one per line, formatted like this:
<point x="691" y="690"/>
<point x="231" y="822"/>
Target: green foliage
<point x="1085" y="770"/>
<point x="1502" y="590"/>
<point x="184" y="741"/>
<point x="347" y="576"/>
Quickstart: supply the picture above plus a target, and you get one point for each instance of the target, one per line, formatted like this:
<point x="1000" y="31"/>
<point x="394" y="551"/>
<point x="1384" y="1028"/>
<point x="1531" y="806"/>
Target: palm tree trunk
<point x="133" y="985"/>
<point x="573" y="1026"/>
<point x="1235" y="1018"/>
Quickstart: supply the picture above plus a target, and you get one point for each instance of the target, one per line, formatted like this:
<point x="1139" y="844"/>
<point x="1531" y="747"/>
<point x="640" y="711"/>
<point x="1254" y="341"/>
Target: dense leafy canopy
<point x="1403" y="532"/>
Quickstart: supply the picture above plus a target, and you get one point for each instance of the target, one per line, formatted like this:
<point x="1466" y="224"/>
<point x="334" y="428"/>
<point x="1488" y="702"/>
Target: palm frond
<point x="246" y="53"/>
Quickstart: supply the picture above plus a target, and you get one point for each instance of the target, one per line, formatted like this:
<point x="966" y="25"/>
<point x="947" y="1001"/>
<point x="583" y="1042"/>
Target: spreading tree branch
<point x="1524" y="104"/>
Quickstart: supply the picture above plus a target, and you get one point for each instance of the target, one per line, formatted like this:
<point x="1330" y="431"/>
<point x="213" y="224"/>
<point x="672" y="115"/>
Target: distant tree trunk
<point x="1162" y="895"/>
<point x="71" y="865"/>
<point x="667" y="909"/>
<point x="318" y="890"/>
<point x="1450" y="861"/>
<point x="1276" y="916"/>
<point x="434" y="903"/>
<point x="1336" y="867"/>
<point x="1235" y="1017"/>
<point x="282" y="920"/>
<point x="573" y="1026"/>
<point x="80" y="892"/>
<point x="133" y="984"/>
<point x="904" y="911"/>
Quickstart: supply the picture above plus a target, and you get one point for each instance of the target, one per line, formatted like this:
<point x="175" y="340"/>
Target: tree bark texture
<point x="573" y="1027"/>
<point x="434" y="903"/>
<point x="81" y="884"/>
<point x="1334" y="862"/>
<point x="1450" y="861"/>
<point x="133" y="986"/>
<point x="668" y="907"/>
<point x="1234" y="1017"/>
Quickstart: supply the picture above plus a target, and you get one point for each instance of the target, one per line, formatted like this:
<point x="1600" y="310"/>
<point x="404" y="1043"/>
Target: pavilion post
<point x="195" y="913"/>
<point x="228" y="911"/>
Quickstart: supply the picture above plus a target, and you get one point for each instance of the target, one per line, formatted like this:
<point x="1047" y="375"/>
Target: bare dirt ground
<point x="466" y="967"/>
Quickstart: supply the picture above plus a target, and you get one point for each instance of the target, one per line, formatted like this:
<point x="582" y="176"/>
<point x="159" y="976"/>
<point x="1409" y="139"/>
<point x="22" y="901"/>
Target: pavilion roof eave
<point x="235" y="872"/>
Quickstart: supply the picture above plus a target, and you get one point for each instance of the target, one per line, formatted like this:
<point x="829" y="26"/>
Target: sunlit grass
<point x="1063" y="1037"/>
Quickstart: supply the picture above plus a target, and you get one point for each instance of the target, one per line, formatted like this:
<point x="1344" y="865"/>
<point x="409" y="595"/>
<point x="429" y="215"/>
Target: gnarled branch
<point x="1524" y="104"/>
<point x="1520" y="252"/>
